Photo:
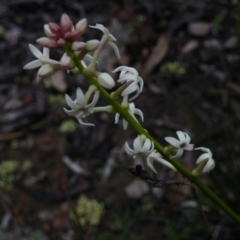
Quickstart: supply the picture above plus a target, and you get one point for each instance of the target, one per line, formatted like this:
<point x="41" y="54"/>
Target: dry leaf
<point x="158" y="54"/>
<point x="57" y="80"/>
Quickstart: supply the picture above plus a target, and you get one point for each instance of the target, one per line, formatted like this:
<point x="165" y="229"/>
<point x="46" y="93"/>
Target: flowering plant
<point x="76" y="54"/>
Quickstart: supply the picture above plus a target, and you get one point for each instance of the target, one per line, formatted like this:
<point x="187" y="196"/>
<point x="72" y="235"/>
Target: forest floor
<point x="187" y="52"/>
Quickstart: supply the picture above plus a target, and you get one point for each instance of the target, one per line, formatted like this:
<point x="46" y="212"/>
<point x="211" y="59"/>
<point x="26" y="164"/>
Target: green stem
<point x="118" y="108"/>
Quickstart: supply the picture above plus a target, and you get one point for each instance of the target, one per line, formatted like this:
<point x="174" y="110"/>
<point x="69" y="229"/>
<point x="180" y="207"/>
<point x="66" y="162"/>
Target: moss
<point x="87" y="212"/>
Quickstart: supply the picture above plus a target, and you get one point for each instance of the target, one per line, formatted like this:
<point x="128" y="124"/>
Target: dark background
<point x="188" y="55"/>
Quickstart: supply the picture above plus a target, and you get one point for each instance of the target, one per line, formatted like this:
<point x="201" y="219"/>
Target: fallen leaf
<point x="199" y="28"/>
<point x="57" y="80"/>
<point x="158" y="54"/>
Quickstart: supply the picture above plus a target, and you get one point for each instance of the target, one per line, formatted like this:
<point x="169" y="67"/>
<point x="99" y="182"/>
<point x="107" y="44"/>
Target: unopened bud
<point x="65" y="60"/>
<point x="78" y="46"/>
<point x="82" y="25"/>
<point x="61" y="42"/>
<point x="105" y="80"/>
<point x="45" y="71"/>
<point x="47" y="30"/>
<point x="66" y="23"/>
<point x="46" y="42"/>
<point x="92" y="45"/>
<point x="53" y="27"/>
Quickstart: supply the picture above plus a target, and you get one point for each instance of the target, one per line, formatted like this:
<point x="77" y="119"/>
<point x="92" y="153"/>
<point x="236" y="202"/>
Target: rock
<point x="231" y="42"/>
<point x="213" y="43"/>
<point x="137" y="189"/>
<point x="199" y="29"/>
<point x="190" y="46"/>
<point x="12" y="36"/>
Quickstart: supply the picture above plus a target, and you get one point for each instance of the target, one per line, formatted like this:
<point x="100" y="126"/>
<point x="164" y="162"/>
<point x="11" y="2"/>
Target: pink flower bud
<point x="54" y="36"/>
<point x="46" y="42"/>
<point x="61" y="42"/>
<point x="66" y="23"/>
<point x="92" y="45"/>
<point x="54" y="27"/>
<point x="73" y="36"/>
<point x="105" y="80"/>
<point x="82" y="25"/>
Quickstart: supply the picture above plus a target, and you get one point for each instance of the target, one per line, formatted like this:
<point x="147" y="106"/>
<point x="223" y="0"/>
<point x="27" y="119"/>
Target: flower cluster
<point x="66" y="37"/>
<point x="177" y="147"/>
<point x="81" y="58"/>
<point x="144" y="148"/>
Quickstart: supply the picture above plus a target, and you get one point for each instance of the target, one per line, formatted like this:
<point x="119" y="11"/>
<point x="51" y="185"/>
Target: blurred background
<point x="62" y="180"/>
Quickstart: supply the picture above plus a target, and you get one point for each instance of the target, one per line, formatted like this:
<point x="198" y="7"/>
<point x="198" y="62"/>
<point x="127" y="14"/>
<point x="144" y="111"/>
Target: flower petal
<point x="128" y="150"/>
<point x="70" y="112"/>
<point x="80" y="98"/>
<point x="70" y="102"/>
<point x="35" y="51"/>
<point x="204" y="156"/>
<point x="209" y="166"/>
<point x="203" y="149"/>
<point x="33" y="64"/>
<point x="157" y="157"/>
<point x="181" y="136"/>
<point x="95" y="100"/>
<point x="137" y="145"/>
<point x="46" y="52"/>
<point x="45" y="70"/>
<point x="187" y="138"/>
<point x="117" y="118"/>
<point x="173" y="141"/>
<point x="139" y="113"/>
<point x="131" y="88"/>
<point x="150" y="164"/>
<point x="147" y="145"/>
<point x="128" y="77"/>
<point x="178" y="154"/>
<point x="125" y="124"/>
<point x="115" y="48"/>
<point x="85" y="124"/>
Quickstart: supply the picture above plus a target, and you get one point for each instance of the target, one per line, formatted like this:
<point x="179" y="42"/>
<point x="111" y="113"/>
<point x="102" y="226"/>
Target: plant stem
<point x="118" y="108"/>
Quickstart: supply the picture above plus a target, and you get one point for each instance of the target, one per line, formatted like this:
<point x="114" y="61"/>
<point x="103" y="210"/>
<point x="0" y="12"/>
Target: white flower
<point x="109" y="38"/>
<point x="155" y="156"/>
<point x="132" y="110"/>
<point x="182" y="144"/>
<point x="129" y="74"/>
<point x="207" y="156"/>
<point x="142" y="146"/>
<point x="47" y="65"/>
<point x="43" y="58"/>
<point x="80" y="107"/>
